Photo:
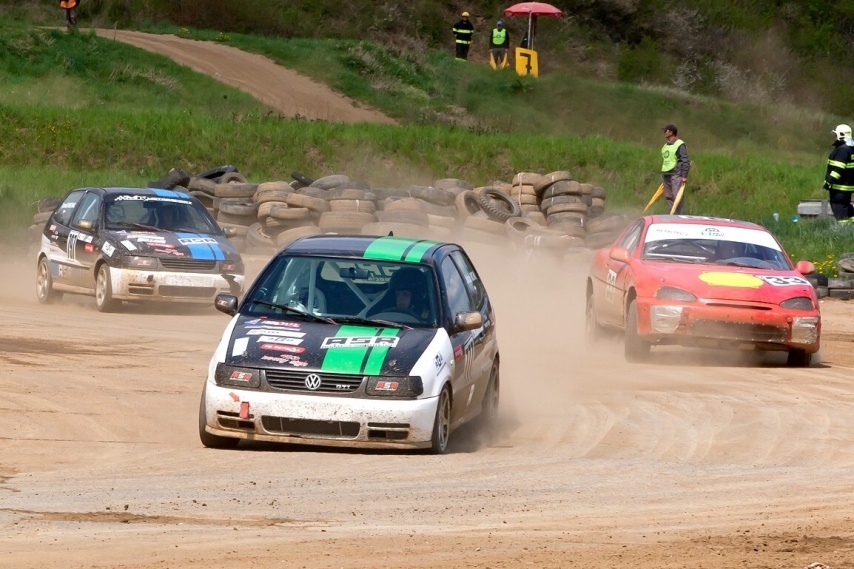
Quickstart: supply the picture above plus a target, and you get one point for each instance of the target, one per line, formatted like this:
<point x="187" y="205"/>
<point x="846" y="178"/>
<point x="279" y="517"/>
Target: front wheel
<point x="636" y="348"/>
<point x="798" y="358"/>
<point x="442" y="424"/>
<point x="44" y="284"/>
<point x="104" y="301"/>
<point x="490" y="399"/>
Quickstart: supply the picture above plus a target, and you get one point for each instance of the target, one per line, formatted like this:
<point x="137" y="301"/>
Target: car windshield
<point x="347" y="291"/>
<point x="134" y="212"/>
<point x="716" y="245"/>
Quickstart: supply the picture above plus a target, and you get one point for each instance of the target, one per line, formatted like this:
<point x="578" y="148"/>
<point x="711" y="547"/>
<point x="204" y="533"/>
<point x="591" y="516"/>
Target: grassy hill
<point x="78" y="109"/>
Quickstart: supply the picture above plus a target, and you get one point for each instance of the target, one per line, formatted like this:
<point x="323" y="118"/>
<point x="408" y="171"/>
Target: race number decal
<point x="784" y="281"/>
<point x="611" y="285"/>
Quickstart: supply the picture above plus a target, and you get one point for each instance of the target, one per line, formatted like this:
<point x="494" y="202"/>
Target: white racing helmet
<point x="842" y="132"/>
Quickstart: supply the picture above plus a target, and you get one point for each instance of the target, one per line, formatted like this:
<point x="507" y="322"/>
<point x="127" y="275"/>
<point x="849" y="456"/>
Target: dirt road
<point x="693" y="460"/>
<point x="280" y="88"/>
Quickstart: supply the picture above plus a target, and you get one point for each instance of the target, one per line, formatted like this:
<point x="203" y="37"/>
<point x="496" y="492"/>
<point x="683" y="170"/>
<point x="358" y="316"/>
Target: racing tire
<point x="209" y="440"/>
<point x="442" y="424"/>
<point x="489" y="200"/>
<point x="798" y="358"/>
<point x="592" y="329"/>
<point x="491" y="399"/>
<point x="44" y="284"/>
<point x="217" y="172"/>
<point x="104" y="300"/>
<point x="636" y="348"/>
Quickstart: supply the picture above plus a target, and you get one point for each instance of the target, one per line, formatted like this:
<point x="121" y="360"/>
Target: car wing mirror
<point x="465" y="321"/>
<point x="620" y="254"/>
<point x="229" y="231"/>
<point x="85" y="225"/>
<point x="226" y="303"/>
<point x="805" y="267"/>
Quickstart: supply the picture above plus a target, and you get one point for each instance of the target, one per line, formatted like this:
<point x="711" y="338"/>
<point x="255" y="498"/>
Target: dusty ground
<point x="695" y="460"/>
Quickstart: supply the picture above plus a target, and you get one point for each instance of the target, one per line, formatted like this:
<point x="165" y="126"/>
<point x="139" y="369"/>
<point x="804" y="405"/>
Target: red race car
<point x="703" y="282"/>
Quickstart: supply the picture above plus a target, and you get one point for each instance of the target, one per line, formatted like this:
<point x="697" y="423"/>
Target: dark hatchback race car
<point x="703" y="282"/>
<point x="135" y="244"/>
<point x="371" y="342"/>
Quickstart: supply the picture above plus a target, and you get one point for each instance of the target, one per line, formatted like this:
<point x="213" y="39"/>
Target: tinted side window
<point x="458" y="297"/>
<point x="476" y="288"/>
<point x="66" y="208"/>
<point x="629" y="239"/>
<point x="88" y="210"/>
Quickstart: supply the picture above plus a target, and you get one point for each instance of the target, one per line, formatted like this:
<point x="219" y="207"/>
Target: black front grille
<point x="738" y="331"/>
<point x="289" y="426"/>
<point x="187" y="291"/>
<point x="188" y="265"/>
<point x="329" y="382"/>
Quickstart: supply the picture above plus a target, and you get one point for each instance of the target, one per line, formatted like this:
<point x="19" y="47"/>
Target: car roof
<point x="118" y="190"/>
<point x="385" y="248"/>
<point x="701" y="220"/>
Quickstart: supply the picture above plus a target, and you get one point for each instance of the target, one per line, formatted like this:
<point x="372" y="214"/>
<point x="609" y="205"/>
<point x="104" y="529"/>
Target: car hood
<point x="347" y="348"/>
<point x="715" y="282"/>
<point x="201" y="246"/>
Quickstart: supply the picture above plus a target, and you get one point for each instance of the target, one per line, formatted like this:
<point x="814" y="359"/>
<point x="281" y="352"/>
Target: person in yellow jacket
<point x="674" y="168"/>
<point x="70" y="7"/>
<point x="499" y="44"/>
<point x="463" y="32"/>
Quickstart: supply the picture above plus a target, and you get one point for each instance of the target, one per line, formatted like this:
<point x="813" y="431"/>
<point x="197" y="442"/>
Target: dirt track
<point x="695" y="460"/>
<point x="288" y="92"/>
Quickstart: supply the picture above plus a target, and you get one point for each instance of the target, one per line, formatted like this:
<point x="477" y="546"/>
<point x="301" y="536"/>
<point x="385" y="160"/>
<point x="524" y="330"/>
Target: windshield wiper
<point x="374" y="321"/>
<point x="127" y="224"/>
<point x="293" y="310"/>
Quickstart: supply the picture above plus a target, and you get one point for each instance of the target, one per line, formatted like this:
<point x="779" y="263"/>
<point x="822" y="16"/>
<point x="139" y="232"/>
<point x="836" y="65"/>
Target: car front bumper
<point x="733" y="325"/>
<point x="134" y="284"/>
<point x="319" y="420"/>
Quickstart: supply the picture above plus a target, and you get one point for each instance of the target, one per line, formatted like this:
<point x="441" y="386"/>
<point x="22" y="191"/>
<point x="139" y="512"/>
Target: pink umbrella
<point x="532" y="10"/>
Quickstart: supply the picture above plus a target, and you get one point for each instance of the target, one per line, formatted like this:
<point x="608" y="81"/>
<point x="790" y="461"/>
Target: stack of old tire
<point x="841" y="286"/>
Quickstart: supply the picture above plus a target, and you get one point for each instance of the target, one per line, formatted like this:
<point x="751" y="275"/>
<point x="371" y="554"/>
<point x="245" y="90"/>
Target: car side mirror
<point x="620" y="254"/>
<point x="229" y="231"/>
<point x="465" y="321"/>
<point x="226" y="303"/>
<point x="85" y="225"/>
<point x="805" y="267"/>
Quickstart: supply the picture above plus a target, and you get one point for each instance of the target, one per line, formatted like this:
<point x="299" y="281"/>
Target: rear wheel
<point x="104" y="301"/>
<point x="592" y="329"/>
<point x="442" y="424"/>
<point x="636" y="348"/>
<point x="208" y="439"/>
<point x="44" y="284"/>
<point x="798" y="358"/>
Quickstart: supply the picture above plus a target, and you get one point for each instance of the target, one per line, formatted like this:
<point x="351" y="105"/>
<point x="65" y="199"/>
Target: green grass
<point x="80" y="110"/>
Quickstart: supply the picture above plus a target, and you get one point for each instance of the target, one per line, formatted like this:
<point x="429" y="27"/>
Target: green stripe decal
<point x="377" y="355"/>
<point x="418" y="249"/>
<point x="388" y="248"/>
<point x="347" y="360"/>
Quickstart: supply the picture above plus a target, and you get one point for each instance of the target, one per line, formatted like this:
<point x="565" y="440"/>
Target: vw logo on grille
<point x="312" y="381"/>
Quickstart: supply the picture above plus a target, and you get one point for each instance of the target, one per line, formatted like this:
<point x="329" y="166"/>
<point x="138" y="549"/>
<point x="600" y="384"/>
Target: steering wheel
<point x="398" y="315"/>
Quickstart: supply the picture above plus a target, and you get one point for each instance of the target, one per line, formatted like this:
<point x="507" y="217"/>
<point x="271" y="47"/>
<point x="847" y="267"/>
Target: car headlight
<point x="407" y="386"/>
<point x="232" y="266"/>
<point x="673" y="293"/>
<point x="232" y="376"/>
<point x="140" y="262"/>
<point x="798" y="303"/>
